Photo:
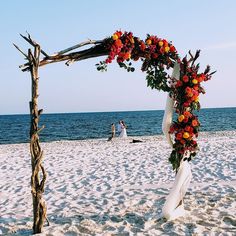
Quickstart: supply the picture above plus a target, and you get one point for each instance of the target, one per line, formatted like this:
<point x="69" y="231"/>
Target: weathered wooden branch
<point x="95" y="51"/>
<point x="33" y="43"/>
<point x="37" y="185"/>
<point x="26" y="56"/>
<point x="79" y="45"/>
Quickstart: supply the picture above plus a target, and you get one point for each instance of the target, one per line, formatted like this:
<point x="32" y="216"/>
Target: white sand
<point x="97" y="187"/>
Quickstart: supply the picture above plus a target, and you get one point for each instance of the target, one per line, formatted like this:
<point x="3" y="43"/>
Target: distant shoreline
<point x="202" y="135"/>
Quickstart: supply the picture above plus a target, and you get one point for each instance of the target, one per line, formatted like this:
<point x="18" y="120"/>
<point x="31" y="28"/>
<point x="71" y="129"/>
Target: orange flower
<point x="127" y="55"/>
<point x="118" y="43"/>
<point x="194" y="123"/>
<point x="148" y="41"/>
<point x="201" y="78"/>
<point x="188" y="90"/>
<point x="194" y="81"/>
<point x="186" y="135"/>
<point x="167" y="49"/>
<point x="187" y="114"/>
<point x="160" y="43"/>
<point x="190" y="94"/>
<point x="115" y="36"/>
<point x="165" y="43"/>
<point x="181" y="118"/>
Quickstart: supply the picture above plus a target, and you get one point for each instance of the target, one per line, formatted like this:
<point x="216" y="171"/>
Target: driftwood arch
<point x="157" y="56"/>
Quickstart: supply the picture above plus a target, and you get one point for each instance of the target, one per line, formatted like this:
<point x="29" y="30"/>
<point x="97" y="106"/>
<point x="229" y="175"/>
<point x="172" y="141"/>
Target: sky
<point x="58" y="24"/>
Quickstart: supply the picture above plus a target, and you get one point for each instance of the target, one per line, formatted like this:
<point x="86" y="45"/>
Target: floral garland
<point x="158" y="55"/>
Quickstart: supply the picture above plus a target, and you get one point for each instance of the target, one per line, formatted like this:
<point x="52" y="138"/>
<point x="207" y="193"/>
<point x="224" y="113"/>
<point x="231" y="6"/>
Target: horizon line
<point x="82" y="112"/>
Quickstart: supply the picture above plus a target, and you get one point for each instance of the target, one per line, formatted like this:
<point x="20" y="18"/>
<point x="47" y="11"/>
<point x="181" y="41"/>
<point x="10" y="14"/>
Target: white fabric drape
<point x="173" y="207"/>
<point x="168" y="115"/>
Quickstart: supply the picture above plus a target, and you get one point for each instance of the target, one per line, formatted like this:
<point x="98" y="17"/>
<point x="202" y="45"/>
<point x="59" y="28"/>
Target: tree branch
<point x="79" y="45"/>
<point x="33" y="43"/>
<point x="96" y="51"/>
<point x="21" y="51"/>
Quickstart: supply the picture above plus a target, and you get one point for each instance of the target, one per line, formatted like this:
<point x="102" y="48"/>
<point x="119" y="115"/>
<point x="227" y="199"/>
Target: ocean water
<point x="77" y="126"/>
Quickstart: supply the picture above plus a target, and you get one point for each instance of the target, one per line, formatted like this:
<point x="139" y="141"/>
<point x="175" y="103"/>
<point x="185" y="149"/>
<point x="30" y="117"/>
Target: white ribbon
<point x="173" y="207"/>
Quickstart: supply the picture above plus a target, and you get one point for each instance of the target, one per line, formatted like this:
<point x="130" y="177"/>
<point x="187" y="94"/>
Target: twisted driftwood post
<point x="39" y="175"/>
<point x="37" y="185"/>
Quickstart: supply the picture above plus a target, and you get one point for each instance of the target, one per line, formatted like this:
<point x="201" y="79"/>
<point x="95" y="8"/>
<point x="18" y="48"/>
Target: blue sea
<point x="78" y="126"/>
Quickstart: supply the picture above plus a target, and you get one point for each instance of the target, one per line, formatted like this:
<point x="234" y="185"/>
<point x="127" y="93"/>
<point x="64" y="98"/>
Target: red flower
<point x="142" y="46"/>
<point x="187" y="114"/>
<point x="154" y="55"/>
<point x="172" y="48"/>
<point x="188" y="90"/>
<point x="186" y="104"/>
<point x="178" y="84"/>
<point x="165" y="43"/>
<point x="108" y="60"/>
<point x="188" y="128"/>
<point x="172" y="129"/>
<point x="194" y="143"/>
<point x="182" y="141"/>
<point x="181" y="151"/>
<point x="162" y="50"/>
<point x="119" y="33"/>
<point x="179" y="136"/>
<point x="185" y="78"/>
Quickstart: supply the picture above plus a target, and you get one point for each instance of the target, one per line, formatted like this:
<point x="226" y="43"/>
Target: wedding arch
<point x="157" y="56"/>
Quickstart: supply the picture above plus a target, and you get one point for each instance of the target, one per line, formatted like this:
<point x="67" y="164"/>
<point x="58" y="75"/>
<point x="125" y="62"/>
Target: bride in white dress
<point x="123" y="133"/>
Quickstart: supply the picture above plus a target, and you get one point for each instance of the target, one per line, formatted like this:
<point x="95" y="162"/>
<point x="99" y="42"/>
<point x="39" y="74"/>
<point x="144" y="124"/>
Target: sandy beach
<point x="95" y="187"/>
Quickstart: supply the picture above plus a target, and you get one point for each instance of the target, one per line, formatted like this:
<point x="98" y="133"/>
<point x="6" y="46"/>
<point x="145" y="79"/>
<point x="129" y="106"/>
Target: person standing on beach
<point x="123" y="133"/>
<point x="113" y="130"/>
<point x="119" y="128"/>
